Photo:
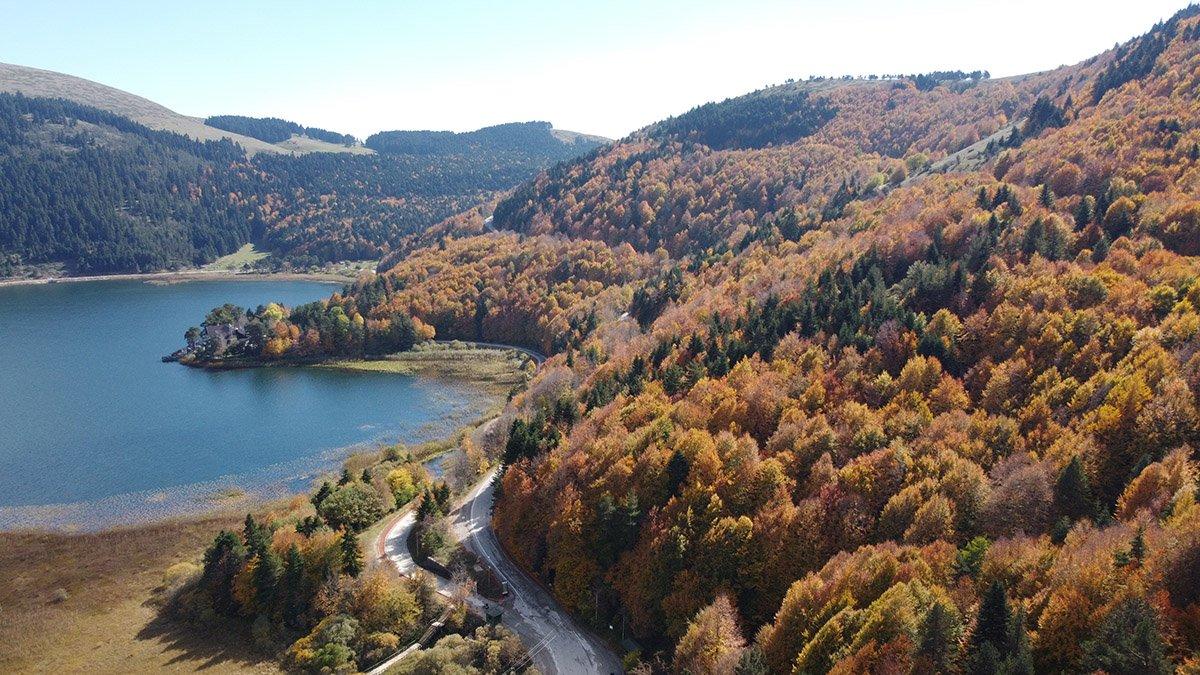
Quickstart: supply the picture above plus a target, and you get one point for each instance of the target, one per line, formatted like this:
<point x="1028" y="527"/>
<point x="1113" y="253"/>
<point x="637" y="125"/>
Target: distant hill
<point x="36" y="82"/>
<point x="49" y="84"/>
<point x="287" y="135"/>
<point x="96" y="180"/>
<point x="535" y="138"/>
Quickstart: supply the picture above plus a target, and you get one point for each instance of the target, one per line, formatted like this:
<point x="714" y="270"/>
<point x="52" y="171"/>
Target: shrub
<point x="404" y="489"/>
<point x="353" y="506"/>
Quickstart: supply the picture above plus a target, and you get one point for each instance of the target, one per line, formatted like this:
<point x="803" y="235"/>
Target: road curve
<point x="558" y="643"/>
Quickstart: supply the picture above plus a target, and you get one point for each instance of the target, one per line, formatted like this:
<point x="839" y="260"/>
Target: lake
<point x="95" y="430"/>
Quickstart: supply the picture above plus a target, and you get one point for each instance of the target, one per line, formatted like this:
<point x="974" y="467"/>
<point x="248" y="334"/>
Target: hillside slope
<point x="860" y="376"/>
<point x="35" y="82"/>
<point x="100" y="193"/>
<point x="126" y="185"/>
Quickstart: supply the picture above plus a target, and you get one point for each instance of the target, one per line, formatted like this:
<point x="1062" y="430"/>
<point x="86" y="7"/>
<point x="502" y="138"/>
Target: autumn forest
<point x="859" y="375"/>
<point x="889" y="374"/>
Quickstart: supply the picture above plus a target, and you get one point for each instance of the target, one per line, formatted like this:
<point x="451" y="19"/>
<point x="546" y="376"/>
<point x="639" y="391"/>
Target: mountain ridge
<point x="43" y="83"/>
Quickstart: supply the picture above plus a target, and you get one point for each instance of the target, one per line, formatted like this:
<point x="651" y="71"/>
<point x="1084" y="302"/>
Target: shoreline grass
<point x="481" y="365"/>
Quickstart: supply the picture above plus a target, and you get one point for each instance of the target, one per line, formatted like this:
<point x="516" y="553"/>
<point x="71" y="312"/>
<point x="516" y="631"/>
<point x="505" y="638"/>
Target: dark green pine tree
<point x="993" y="227"/>
<point x="1127" y="642"/>
<point x="986" y="661"/>
<point x="999" y="643"/>
<point x="1195" y="154"/>
<point x="677" y="472"/>
<point x="222" y="562"/>
<point x="522" y="441"/>
<point x="1102" y="203"/>
<point x="325" y="490"/>
<point x="267" y="572"/>
<point x="440" y="493"/>
<point x="939" y="639"/>
<point x="294" y="589"/>
<point x="983" y="200"/>
<point x="309" y="524"/>
<point x="1019" y="660"/>
<point x="1035" y="238"/>
<point x="1055" y="246"/>
<point x="753" y="662"/>
<point x="352" y="561"/>
<point x="1073" y="492"/>
<point x="1137" y="548"/>
<point x="994" y="615"/>
<point x="256" y="536"/>
<point x="1085" y="212"/>
<point x="1014" y="204"/>
<point x="428" y="506"/>
<point x="346" y="477"/>
<point x="366" y="476"/>
<point x="1060" y="530"/>
<point x="1046" y="197"/>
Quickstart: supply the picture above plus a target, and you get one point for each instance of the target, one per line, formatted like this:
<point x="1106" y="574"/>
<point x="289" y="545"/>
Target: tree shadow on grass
<point x="225" y="642"/>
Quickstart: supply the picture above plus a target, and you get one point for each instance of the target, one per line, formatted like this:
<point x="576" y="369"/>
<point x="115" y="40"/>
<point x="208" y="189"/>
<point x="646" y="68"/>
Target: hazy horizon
<point x="604" y="70"/>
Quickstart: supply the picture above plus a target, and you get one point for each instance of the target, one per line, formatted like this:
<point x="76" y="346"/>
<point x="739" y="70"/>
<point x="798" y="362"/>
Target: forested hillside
<point x="888" y="375"/>
<point x="106" y="194"/>
<point x="97" y="193"/>
<point x="274" y="130"/>
<point x="524" y="138"/>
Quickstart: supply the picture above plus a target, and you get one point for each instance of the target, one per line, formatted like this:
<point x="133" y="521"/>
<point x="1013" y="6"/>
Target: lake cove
<point x="96" y="431"/>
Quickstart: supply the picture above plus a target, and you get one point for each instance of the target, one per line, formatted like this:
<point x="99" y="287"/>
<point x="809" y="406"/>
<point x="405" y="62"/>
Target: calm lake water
<point x="95" y="430"/>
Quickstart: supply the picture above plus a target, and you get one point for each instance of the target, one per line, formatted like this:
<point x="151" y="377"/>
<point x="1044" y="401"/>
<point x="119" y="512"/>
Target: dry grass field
<point x="72" y="603"/>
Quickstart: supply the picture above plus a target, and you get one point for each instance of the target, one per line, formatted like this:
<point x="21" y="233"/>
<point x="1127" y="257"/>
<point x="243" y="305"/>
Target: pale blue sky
<point x="598" y="67"/>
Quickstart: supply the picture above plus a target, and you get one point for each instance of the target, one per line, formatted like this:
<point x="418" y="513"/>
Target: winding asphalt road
<point x="556" y="642"/>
